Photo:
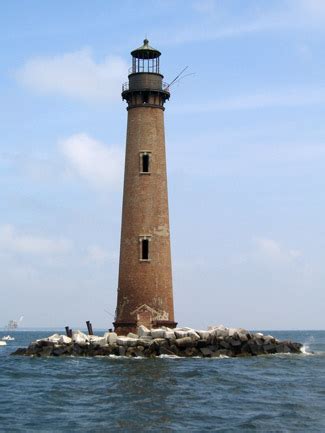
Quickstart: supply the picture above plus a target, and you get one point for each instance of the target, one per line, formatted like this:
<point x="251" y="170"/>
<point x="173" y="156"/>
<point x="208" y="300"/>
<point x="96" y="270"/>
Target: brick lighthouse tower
<point x="145" y="293"/>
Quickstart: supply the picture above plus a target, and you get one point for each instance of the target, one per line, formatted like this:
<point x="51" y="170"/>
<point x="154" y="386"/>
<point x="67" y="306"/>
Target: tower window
<point x="145" y="158"/>
<point x="145" y="248"/>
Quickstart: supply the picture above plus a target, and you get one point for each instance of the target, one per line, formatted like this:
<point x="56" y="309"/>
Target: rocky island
<point x="217" y="341"/>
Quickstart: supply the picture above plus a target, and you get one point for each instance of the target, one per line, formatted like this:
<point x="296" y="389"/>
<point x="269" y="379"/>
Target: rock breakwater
<point x="217" y="341"/>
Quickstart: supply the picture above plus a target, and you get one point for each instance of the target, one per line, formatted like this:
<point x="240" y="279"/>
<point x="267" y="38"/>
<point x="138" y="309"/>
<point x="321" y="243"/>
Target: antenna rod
<point x="178" y="76"/>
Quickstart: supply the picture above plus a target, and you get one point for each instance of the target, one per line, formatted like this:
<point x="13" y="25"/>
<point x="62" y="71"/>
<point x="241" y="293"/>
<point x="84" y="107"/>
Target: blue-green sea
<point x="274" y="393"/>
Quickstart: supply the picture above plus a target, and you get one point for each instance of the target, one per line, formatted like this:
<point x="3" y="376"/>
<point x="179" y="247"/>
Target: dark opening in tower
<point x="145" y="249"/>
<point x="145" y="163"/>
<point x="145" y="97"/>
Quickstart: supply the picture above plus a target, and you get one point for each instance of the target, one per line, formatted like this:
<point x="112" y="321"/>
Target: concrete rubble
<point x="217" y="341"/>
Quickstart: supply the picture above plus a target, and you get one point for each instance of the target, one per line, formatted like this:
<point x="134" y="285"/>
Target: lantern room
<point x="145" y="59"/>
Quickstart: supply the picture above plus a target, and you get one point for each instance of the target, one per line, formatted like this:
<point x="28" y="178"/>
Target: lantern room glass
<point x="147" y="65"/>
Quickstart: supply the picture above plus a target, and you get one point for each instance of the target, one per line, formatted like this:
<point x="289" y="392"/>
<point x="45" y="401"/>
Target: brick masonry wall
<point x="145" y="212"/>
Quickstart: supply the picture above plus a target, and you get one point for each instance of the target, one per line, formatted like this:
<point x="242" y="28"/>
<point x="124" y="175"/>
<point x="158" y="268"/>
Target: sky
<point x="245" y="137"/>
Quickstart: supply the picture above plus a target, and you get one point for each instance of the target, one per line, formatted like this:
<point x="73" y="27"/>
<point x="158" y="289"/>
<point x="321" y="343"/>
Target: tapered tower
<point x="145" y="293"/>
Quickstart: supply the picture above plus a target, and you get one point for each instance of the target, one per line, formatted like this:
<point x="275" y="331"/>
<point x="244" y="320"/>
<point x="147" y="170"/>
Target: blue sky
<point x="245" y="138"/>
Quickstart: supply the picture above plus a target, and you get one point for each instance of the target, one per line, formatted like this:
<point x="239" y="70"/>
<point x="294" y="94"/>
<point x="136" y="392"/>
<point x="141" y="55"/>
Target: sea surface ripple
<point x="274" y="393"/>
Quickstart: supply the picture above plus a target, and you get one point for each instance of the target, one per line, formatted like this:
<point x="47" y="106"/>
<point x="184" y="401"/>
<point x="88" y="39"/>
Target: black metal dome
<point x="145" y="51"/>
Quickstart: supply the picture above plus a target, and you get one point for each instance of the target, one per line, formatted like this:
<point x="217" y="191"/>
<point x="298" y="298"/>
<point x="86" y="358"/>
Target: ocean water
<point x="275" y="393"/>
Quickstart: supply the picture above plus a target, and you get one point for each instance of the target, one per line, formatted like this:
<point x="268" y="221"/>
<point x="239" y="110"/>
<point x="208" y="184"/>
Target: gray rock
<point x="59" y="350"/>
<point x="158" y="333"/>
<point x="224" y="344"/>
<point x="111" y="337"/>
<point x="49" y="350"/>
<point x="202" y="343"/>
<point x="64" y="339"/>
<point x="242" y="336"/>
<point x="269" y="339"/>
<point x="132" y="352"/>
<point x="184" y="342"/>
<point x="54" y="338"/>
<point x="159" y="342"/>
<point x="217" y="342"/>
<point x="295" y="347"/>
<point x="78" y="350"/>
<point x="79" y="337"/>
<point x="166" y="351"/>
<point x="144" y="342"/>
<point x="234" y="342"/>
<point x="258" y="335"/>
<point x="143" y="331"/>
<point x="180" y="333"/>
<point x="127" y="341"/>
<point x="283" y="348"/>
<point x="206" y="352"/>
<point x="104" y="351"/>
<point x="270" y="348"/>
<point x="98" y="341"/>
<point x="169" y="335"/>
<point x="192" y="334"/>
<point x="122" y="350"/>
<point x="44" y="343"/>
<point x="252" y="347"/>
<point x="131" y="335"/>
<point x="204" y="335"/>
<point x="232" y="332"/>
<point x="190" y="351"/>
<point x="220" y="333"/>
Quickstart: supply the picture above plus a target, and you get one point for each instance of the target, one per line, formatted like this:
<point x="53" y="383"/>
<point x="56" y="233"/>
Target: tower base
<point x="123" y="328"/>
<point x="167" y="323"/>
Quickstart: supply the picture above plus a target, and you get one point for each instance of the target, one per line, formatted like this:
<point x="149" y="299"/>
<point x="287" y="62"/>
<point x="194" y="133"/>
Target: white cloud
<point x="92" y="160"/>
<point x="98" y="255"/>
<point x="314" y="8"/>
<point x="12" y="241"/>
<point x="76" y="75"/>
<point x="204" y="33"/>
<point x="223" y="23"/>
<point x="275" y="98"/>
<point x="274" y="252"/>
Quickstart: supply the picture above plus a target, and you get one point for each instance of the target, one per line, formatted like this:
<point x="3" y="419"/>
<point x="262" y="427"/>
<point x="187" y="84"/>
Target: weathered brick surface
<point x="145" y="212"/>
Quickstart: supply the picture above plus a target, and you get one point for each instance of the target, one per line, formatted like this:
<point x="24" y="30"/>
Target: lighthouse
<point x="145" y="291"/>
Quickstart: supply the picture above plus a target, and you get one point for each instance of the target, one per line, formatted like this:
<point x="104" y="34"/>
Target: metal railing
<point x="165" y="87"/>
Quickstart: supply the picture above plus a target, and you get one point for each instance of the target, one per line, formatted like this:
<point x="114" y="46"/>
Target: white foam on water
<point x="118" y="357"/>
<point x="124" y="357"/>
<point x="170" y="356"/>
<point x="306" y="346"/>
<point x="305" y="350"/>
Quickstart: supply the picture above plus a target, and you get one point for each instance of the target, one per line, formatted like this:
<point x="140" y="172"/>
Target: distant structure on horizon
<point x="145" y="292"/>
<point x="13" y="324"/>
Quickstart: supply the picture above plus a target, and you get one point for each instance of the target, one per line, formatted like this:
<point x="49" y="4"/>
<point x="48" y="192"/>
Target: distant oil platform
<point x="13" y="324"/>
